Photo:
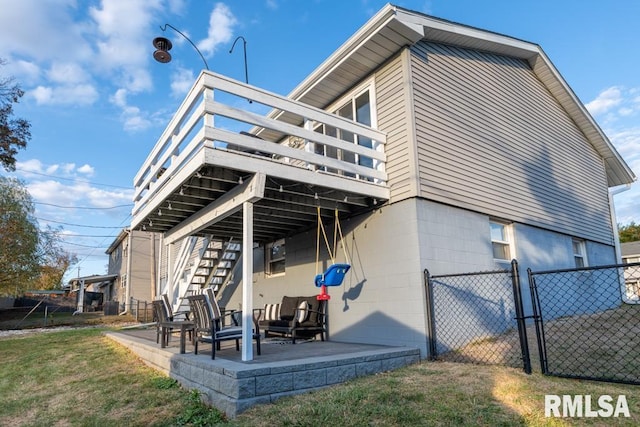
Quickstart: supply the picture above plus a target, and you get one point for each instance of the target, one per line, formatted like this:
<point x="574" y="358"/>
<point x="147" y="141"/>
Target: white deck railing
<point x="193" y="127"/>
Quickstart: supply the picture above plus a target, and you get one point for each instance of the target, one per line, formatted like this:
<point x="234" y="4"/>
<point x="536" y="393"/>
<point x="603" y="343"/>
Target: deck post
<point x="247" y="281"/>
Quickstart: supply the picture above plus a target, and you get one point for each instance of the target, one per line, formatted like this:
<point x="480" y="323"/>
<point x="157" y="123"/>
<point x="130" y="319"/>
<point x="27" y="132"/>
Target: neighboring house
<point x="440" y="146"/>
<point x="631" y="255"/>
<point x="91" y="291"/>
<point x="132" y="262"/>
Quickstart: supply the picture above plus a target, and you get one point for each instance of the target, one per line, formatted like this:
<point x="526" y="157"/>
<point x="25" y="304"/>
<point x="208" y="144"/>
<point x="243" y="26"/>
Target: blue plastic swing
<point x="333" y="276"/>
<point x="336" y="272"/>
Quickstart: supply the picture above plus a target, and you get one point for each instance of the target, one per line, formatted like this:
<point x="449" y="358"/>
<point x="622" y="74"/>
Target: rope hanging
<point x="336" y="232"/>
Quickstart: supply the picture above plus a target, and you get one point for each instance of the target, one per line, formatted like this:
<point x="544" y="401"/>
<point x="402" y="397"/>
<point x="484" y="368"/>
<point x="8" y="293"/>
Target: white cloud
<point x="177" y="6"/>
<point x="221" y="23"/>
<point x="78" y="193"/>
<point x="124" y="28"/>
<point x="86" y="170"/>
<point x="605" y="101"/>
<point x="132" y="117"/>
<point x="67" y="73"/>
<point x="181" y="82"/>
<point x="120" y="98"/>
<point x="52" y="169"/>
<point x="68" y="167"/>
<point x="31" y="165"/>
<point x="42" y="30"/>
<point x="42" y="95"/>
<point x="81" y="94"/>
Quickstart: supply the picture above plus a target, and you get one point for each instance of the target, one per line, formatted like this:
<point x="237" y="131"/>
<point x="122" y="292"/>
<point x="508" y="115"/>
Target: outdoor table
<point x="184" y="326"/>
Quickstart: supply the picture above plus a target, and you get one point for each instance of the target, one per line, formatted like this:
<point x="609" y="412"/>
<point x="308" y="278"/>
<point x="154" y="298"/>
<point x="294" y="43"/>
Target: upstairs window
<point x="357" y="107"/>
<point x="275" y="258"/>
<point x="501" y="241"/>
<point x="579" y="253"/>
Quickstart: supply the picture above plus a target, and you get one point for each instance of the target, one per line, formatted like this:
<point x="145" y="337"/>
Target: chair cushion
<point x="225" y="332"/>
<point x="314" y="305"/>
<point x="303" y="311"/>
<point x="272" y="312"/>
<point x="288" y="307"/>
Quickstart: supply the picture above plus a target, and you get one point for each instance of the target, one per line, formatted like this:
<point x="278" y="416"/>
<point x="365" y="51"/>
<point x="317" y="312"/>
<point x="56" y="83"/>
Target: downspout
<point x="614" y="221"/>
<point x="127" y="303"/>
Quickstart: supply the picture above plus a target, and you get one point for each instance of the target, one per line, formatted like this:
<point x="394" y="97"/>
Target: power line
<point x="75" y="225"/>
<point x="73" y="179"/>
<point x="83" y="207"/>
<point x="85" y="246"/>
<point x="91" y="254"/>
<point x="64" y="236"/>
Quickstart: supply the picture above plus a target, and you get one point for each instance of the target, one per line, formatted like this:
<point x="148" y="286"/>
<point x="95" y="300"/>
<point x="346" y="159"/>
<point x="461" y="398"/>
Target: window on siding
<point x="579" y="253"/>
<point x="501" y="240"/>
<point x="357" y="107"/>
<point x="123" y="281"/>
<point x="275" y="258"/>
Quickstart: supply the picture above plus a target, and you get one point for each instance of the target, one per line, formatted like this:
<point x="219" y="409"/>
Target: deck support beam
<point x="250" y="191"/>
<point x="247" y="281"/>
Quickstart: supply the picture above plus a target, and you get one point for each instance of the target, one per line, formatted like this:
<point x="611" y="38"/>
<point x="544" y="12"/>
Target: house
<point x="132" y="263"/>
<point x="435" y="145"/>
<point x="631" y="255"/>
<point x="91" y="292"/>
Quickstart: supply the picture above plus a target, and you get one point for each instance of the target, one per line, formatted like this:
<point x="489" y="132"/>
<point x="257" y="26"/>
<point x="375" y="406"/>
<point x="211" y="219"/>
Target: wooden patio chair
<point x="171" y="315"/>
<point x="161" y="318"/>
<point x="208" y="325"/>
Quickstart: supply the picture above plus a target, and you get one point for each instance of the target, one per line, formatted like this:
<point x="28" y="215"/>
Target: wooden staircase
<point x="213" y="266"/>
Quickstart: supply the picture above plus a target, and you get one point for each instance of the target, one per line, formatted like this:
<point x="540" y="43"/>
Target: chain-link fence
<point x="477" y="318"/>
<point x="141" y="310"/>
<point x="588" y="322"/>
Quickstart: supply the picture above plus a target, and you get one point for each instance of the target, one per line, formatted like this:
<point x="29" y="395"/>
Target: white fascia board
<point x="556" y="84"/>
<point x="381" y="19"/>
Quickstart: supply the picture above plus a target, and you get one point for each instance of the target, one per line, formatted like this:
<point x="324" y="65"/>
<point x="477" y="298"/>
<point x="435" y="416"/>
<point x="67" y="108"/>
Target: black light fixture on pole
<point x="163" y="46"/>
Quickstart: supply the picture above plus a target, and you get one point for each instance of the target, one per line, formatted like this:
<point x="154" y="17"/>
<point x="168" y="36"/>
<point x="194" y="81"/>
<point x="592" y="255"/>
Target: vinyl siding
<point x="392" y="107"/>
<point x="491" y="138"/>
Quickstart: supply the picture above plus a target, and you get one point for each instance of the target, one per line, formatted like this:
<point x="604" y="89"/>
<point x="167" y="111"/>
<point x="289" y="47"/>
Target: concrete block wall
<point x="234" y="387"/>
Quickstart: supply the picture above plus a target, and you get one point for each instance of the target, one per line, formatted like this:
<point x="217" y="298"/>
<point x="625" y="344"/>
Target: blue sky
<point x="97" y="101"/>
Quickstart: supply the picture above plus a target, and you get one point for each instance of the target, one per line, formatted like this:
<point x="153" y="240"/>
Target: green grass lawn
<point x="80" y="378"/>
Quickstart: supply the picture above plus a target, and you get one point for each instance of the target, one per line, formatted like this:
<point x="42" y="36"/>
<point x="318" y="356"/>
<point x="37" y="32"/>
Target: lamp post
<point x="163" y="46"/>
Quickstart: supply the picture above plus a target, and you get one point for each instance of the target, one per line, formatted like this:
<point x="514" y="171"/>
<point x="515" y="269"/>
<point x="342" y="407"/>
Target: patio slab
<point x="281" y="370"/>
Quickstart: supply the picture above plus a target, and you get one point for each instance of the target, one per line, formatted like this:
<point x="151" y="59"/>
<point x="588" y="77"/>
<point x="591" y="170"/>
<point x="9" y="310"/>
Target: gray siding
<point x="392" y="106"/>
<point x="492" y="139"/>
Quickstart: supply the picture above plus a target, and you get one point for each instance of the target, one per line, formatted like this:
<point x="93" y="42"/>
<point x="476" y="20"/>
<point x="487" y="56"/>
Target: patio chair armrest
<point x="259" y="314"/>
<point x="232" y="314"/>
<point x="184" y="313"/>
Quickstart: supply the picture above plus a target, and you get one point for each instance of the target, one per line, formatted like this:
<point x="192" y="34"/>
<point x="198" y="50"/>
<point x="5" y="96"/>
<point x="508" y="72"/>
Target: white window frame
<point x="580" y="253"/>
<point x="268" y="261"/>
<point x="350" y="98"/>
<point x="509" y="242"/>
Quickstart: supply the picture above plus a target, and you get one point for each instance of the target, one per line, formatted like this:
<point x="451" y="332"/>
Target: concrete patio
<point x="282" y="369"/>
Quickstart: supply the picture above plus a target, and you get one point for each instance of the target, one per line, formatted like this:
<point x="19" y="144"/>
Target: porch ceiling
<point x="289" y="206"/>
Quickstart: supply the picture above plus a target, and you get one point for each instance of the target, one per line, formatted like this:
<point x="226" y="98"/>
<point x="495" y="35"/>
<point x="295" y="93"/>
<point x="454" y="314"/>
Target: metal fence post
<point x="431" y="319"/>
<point x="522" y="327"/>
<point x="537" y="316"/>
